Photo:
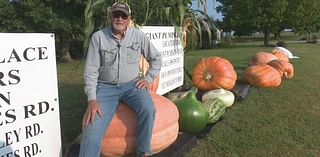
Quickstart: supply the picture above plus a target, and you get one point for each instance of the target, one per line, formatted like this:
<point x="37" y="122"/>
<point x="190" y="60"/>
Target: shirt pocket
<point x="133" y="53"/>
<point x="108" y="57"/>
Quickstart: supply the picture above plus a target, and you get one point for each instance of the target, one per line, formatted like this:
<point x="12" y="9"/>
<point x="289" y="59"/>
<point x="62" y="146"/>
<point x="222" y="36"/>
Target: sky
<point x="211" y="5"/>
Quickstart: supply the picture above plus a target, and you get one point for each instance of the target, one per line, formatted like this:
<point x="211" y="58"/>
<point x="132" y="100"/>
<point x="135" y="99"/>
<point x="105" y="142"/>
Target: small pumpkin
<point x="284" y="68"/>
<point x="193" y="117"/>
<point x="213" y="73"/>
<point x="120" y="137"/>
<point x="262" y="75"/>
<point x="261" y="58"/>
<point x="280" y="55"/>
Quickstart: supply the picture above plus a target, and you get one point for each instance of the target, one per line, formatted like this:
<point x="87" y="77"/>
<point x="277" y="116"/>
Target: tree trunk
<point x="65" y="52"/>
<point x="309" y="36"/>
<point x="266" y="37"/>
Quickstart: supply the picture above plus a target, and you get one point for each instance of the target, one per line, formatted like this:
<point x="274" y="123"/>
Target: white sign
<point x="167" y="41"/>
<point x="29" y="105"/>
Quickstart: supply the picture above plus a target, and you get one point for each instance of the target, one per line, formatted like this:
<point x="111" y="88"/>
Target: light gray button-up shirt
<point x="115" y="61"/>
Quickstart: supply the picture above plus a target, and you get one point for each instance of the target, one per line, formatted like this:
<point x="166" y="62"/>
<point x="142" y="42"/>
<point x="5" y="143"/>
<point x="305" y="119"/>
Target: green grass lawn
<point x="72" y="100"/>
<point x="281" y="121"/>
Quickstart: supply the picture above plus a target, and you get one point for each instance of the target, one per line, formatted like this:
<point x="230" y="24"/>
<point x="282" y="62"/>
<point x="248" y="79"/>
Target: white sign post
<point x="167" y="41"/>
<point x="29" y="105"/>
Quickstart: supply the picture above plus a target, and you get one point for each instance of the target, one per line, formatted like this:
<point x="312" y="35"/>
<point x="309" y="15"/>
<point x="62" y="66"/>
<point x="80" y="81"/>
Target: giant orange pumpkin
<point x="144" y="65"/>
<point x="285" y="68"/>
<point x="261" y="58"/>
<point x="262" y="75"/>
<point x="280" y="55"/>
<point x="214" y="73"/>
<point x="120" y="137"/>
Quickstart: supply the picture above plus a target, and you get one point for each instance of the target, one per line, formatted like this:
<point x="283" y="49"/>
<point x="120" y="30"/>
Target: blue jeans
<point x="108" y="97"/>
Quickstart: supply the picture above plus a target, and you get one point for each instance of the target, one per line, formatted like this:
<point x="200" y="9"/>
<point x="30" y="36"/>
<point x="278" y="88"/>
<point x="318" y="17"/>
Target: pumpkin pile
<point x="213" y="76"/>
<point x="267" y="69"/>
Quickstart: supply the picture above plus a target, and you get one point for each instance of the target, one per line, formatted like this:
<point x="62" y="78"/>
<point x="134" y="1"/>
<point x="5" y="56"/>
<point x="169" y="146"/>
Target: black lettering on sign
<point x="28" y="54"/>
<point x="5" y="98"/>
<point x="2" y="77"/>
<point x="34" y="110"/>
<point x="14" y="153"/>
<point x="13" y="75"/>
<point x="11" y="137"/>
<point x="33" y="130"/>
<point x="8" y="117"/>
<point x="15" y="56"/>
<point x="10" y="78"/>
<point x="31" y="150"/>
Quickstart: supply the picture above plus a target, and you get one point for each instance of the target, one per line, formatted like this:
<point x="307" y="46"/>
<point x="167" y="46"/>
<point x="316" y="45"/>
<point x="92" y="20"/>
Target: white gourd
<point x="226" y="96"/>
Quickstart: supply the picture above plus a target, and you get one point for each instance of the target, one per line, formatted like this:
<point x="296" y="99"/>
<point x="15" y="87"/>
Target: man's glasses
<point x="118" y="14"/>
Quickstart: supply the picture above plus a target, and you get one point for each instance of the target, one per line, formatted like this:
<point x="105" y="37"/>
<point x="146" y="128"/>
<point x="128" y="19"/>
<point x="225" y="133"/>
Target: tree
<point x="270" y="15"/>
<point x="59" y="17"/>
<point x="247" y="16"/>
<point x="238" y="16"/>
<point x="10" y="21"/>
<point x="308" y="14"/>
<point x="68" y="26"/>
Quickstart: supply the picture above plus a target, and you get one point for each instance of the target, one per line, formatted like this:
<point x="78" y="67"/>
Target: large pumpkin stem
<point x="207" y="76"/>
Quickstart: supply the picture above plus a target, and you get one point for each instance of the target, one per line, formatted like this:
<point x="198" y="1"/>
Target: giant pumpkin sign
<point x="166" y="40"/>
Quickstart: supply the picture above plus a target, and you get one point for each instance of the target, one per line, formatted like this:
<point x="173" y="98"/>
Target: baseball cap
<point x="121" y="6"/>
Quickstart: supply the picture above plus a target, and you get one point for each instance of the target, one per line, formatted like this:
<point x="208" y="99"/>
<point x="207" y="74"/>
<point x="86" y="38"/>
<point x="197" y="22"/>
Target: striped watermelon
<point x="216" y="109"/>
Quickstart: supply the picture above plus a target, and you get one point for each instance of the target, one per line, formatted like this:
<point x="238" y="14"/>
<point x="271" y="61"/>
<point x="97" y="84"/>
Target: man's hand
<point x="90" y="114"/>
<point x="141" y="83"/>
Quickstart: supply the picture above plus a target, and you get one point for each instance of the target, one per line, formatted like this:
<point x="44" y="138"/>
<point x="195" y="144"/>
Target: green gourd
<point x="193" y="117"/>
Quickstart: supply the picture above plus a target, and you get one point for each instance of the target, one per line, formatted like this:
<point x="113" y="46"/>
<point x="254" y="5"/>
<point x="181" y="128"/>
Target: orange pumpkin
<point x="280" y="55"/>
<point x="144" y="65"/>
<point x="285" y="68"/>
<point x="262" y="75"/>
<point x="261" y="58"/>
<point x="214" y="73"/>
<point x="120" y="136"/>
